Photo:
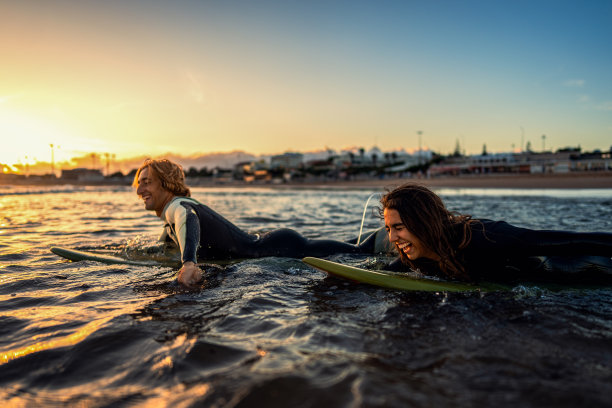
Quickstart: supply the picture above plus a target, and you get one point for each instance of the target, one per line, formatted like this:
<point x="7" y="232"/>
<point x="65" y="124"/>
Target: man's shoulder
<point x="179" y="203"/>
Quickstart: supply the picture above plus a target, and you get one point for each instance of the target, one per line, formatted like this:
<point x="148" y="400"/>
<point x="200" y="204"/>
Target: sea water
<point x="272" y="332"/>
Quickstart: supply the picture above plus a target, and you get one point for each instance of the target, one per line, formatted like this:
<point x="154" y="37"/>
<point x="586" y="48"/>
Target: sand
<point x="575" y="180"/>
<point x="596" y="180"/>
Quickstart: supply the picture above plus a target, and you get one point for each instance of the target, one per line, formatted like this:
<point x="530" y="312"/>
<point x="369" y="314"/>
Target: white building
<point x="286" y="161"/>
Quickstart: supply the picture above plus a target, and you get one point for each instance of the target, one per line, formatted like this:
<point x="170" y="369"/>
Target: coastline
<point x="590" y="180"/>
<point x="575" y="180"/>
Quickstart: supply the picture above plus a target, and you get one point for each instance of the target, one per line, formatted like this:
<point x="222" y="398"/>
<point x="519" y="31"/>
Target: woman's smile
<point x="403" y="239"/>
<point x="404" y="247"/>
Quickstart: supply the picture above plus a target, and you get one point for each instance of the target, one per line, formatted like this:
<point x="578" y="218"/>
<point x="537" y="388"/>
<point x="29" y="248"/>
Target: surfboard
<point x="76" y="255"/>
<point x="386" y="279"/>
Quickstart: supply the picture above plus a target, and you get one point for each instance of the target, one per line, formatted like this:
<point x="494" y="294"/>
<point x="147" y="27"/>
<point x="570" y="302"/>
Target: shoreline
<point x="578" y="180"/>
<point x="522" y="181"/>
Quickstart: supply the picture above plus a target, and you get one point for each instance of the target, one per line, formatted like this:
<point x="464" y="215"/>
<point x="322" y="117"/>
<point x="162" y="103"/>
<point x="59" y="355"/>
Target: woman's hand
<point x="189" y="274"/>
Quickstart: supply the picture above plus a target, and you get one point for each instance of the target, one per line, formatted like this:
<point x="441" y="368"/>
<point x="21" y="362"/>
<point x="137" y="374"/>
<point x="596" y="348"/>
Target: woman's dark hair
<point x="424" y="214"/>
<point x="170" y="174"/>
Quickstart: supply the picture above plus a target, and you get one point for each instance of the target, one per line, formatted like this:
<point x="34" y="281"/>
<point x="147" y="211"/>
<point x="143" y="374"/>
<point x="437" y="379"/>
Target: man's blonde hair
<point x="170" y="174"/>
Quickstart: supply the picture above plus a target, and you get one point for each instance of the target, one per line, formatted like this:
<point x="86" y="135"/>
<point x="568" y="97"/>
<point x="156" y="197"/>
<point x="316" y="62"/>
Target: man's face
<point x="155" y="197"/>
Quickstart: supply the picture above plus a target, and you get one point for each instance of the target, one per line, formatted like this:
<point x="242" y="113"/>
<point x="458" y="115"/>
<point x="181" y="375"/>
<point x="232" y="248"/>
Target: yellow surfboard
<point x="391" y="280"/>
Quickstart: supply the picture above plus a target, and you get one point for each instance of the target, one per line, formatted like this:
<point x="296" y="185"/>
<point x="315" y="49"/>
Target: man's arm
<point x="189" y="274"/>
<point x="187" y="231"/>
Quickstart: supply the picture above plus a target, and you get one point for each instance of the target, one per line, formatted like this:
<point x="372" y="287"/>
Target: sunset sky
<point x="134" y="78"/>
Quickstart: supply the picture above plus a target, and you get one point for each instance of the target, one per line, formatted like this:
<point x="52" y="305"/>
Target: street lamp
<point x="52" y="160"/>
<point x="419" y="132"/>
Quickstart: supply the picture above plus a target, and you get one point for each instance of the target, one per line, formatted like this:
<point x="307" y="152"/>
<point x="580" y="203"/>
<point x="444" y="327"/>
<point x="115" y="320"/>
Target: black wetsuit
<point x="499" y="251"/>
<point x="203" y="234"/>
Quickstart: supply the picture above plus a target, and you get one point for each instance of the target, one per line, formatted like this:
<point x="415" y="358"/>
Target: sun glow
<point x="28" y="139"/>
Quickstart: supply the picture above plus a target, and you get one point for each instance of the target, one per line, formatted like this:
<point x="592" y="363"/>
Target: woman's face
<point x="403" y="239"/>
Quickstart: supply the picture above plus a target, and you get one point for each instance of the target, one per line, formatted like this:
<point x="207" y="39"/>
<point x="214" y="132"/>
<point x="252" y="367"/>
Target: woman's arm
<point x="502" y="237"/>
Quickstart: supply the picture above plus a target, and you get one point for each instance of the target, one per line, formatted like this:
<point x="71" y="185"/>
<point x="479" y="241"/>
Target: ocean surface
<point x="274" y="333"/>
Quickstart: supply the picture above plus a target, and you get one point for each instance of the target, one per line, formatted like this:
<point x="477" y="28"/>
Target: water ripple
<point x="273" y="332"/>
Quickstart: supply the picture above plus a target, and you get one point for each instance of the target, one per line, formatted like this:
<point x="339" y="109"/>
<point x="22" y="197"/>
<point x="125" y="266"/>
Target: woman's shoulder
<point x="485" y="224"/>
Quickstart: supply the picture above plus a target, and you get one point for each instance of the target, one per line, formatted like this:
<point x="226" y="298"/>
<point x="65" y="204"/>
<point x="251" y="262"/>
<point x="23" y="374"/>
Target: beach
<point x="589" y="180"/>
<point x="574" y="180"/>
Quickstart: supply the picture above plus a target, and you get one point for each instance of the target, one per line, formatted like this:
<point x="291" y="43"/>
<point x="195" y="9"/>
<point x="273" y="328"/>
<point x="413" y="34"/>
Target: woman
<point x="437" y="241"/>
<point x="202" y="234"/>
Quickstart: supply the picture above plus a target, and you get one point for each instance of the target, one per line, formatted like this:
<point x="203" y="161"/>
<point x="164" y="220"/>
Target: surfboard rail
<point x="76" y="255"/>
<point x="386" y="279"/>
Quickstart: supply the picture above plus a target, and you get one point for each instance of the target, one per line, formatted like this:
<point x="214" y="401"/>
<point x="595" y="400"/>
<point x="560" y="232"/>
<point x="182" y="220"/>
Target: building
<point x="82" y="175"/>
<point x="286" y="161"/>
<point x="595" y="161"/>
<point x="562" y="161"/>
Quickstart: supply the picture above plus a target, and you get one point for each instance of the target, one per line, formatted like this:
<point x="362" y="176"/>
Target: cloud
<point x="584" y="98"/>
<point x="605" y="106"/>
<point x="574" y="83"/>
<point x="194" y="87"/>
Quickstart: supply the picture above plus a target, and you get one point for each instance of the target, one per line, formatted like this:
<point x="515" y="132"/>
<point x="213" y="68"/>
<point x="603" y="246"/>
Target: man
<point x="201" y="233"/>
<point x="158" y="182"/>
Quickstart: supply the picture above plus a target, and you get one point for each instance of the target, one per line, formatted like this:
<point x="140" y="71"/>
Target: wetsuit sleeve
<point x="186" y="228"/>
<point x="505" y="238"/>
<point x="166" y="235"/>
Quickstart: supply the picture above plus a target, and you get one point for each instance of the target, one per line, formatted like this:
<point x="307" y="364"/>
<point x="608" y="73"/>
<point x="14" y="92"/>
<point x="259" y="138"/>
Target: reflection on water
<point x="273" y="332"/>
<point x="584" y="193"/>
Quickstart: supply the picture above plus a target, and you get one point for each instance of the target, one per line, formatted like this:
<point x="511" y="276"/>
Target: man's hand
<point x="189" y="274"/>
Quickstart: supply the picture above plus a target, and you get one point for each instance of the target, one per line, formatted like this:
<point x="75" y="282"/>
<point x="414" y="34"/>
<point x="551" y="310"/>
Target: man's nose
<point x="139" y="189"/>
<point x="392" y="236"/>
